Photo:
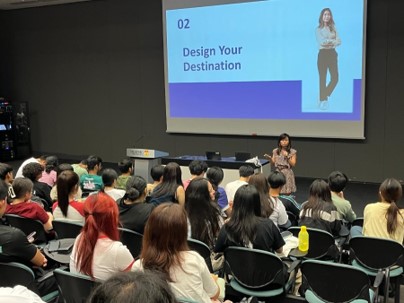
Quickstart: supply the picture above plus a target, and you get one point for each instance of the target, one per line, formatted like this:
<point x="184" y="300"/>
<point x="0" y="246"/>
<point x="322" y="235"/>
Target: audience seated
<point x="33" y="171"/>
<point x="271" y="206"/>
<point x="246" y="227"/>
<point x="97" y="251"/>
<point x="384" y="219"/>
<point x="126" y="169"/>
<point x="49" y="174"/>
<point x="80" y="168"/>
<point x="90" y="181"/>
<point x="197" y="168"/>
<point x="133" y="287"/>
<point x="41" y="160"/>
<point x="170" y="189"/>
<point x="319" y="211"/>
<point x="24" y="207"/>
<point x="15" y="246"/>
<point x="59" y="169"/>
<point x="165" y="248"/>
<point x="245" y="171"/>
<point x="18" y="294"/>
<point x="109" y="177"/>
<point x="6" y="174"/>
<point x="156" y="173"/>
<point x="67" y="208"/>
<point x="337" y="182"/>
<point x="133" y="211"/>
<point x="276" y="180"/>
<point x="203" y="213"/>
<point x="215" y="176"/>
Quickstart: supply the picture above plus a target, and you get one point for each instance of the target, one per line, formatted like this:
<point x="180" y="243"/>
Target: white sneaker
<point x="323" y="105"/>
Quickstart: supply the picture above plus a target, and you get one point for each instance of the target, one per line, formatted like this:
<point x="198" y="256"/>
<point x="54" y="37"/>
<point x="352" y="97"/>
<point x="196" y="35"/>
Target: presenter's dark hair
<point x="215" y="175"/>
<point x="391" y="191"/>
<point x="319" y="193"/>
<point x="133" y="287"/>
<point x="135" y="187"/>
<point x="197" y="167"/>
<point x="109" y="176"/>
<point x="66" y="183"/>
<point x="125" y="165"/>
<point x="246" y="171"/>
<point x="276" y="179"/>
<point x="32" y="171"/>
<point x="157" y="172"/>
<point x="337" y="181"/>
<point x="245" y="216"/>
<point x="92" y="161"/>
<point x="331" y="23"/>
<point x="4" y="170"/>
<point x="281" y="137"/>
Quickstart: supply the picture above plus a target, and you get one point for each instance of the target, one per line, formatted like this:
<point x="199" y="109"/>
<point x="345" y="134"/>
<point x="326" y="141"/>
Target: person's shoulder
<point x="12" y="233"/>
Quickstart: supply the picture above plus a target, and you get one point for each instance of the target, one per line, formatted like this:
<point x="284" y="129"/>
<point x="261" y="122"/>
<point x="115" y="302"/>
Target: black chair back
<point x="255" y="269"/>
<point x="203" y="250"/>
<point x="357" y="222"/>
<point x="13" y="273"/>
<point x="66" y="229"/>
<point x="75" y="288"/>
<point x="132" y="240"/>
<point x="332" y="282"/>
<point x="27" y="226"/>
<point x="321" y="244"/>
<point x="376" y="253"/>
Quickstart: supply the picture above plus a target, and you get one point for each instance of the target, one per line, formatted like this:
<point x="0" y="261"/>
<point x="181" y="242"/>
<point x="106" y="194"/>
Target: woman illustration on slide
<point x="327" y="61"/>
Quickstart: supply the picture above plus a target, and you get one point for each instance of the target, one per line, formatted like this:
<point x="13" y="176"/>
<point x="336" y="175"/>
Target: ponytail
<point x="392" y="217"/>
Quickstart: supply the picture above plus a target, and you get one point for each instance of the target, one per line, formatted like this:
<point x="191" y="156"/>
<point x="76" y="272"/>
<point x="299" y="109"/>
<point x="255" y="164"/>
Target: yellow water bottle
<point x="303" y="239"/>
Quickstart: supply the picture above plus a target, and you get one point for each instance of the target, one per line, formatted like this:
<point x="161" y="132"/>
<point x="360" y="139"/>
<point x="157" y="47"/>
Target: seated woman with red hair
<point x="97" y="251"/>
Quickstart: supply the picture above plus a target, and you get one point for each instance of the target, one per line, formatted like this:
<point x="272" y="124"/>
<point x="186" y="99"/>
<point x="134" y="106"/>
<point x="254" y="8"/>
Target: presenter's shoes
<point x="323" y="105"/>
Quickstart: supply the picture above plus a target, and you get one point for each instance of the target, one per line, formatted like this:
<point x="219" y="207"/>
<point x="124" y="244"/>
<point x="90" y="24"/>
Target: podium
<point x="144" y="160"/>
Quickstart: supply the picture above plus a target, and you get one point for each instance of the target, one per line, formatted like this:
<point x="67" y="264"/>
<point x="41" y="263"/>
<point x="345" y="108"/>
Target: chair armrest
<point x="45" y="276"/>
<point x="295" y="265"/>
<point x="378" y="279"/>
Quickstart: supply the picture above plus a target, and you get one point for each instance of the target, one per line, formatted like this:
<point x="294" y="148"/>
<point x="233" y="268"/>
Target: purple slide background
<point x="250" y="100"/>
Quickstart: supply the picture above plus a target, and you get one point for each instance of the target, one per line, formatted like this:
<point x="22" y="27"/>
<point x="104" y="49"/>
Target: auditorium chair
<point x="258" y="273"/>
<point x="375" y="255"/>
<point x="203" y="250"/>
<point x="13" y="273"/>
<point x="132" y="240"/>
<point x="66" y="229"/>
<point x="331" y="282"/>
<point x="27" y="226"/>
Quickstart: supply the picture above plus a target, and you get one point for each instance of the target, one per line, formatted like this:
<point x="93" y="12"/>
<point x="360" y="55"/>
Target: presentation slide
<point x="265" y="67"/>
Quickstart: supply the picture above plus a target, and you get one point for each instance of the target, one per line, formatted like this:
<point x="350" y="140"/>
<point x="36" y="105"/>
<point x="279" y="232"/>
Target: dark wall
<point x="93" y="76"/>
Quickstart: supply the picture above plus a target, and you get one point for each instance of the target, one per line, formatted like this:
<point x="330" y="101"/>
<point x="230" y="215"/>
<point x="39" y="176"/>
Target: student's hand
<point x="45" y="262"/>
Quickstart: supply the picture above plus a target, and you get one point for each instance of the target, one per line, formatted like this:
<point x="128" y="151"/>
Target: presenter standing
<point x="284" y="158"/>
<point x="327" y="60"/>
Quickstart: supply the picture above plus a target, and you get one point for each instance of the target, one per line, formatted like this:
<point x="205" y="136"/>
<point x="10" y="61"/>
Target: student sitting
<point x="24" y="207"/>
<point x="109" y="177"/>
<point x="97" y="251"/>
<point x="67" y="208"/>
<point x="126" y="168"/>
<point x="319" y="211"/>
<point x="133" y="211"/>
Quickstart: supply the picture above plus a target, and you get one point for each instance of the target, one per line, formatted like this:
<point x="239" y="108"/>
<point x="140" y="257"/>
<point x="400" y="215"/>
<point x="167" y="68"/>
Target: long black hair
<point x="203" y="213"/>
<point x="171" y="181"/>
<point x="66" y="182"/>
<point x="319" y="193"/>
<point x="245" y="216"/>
